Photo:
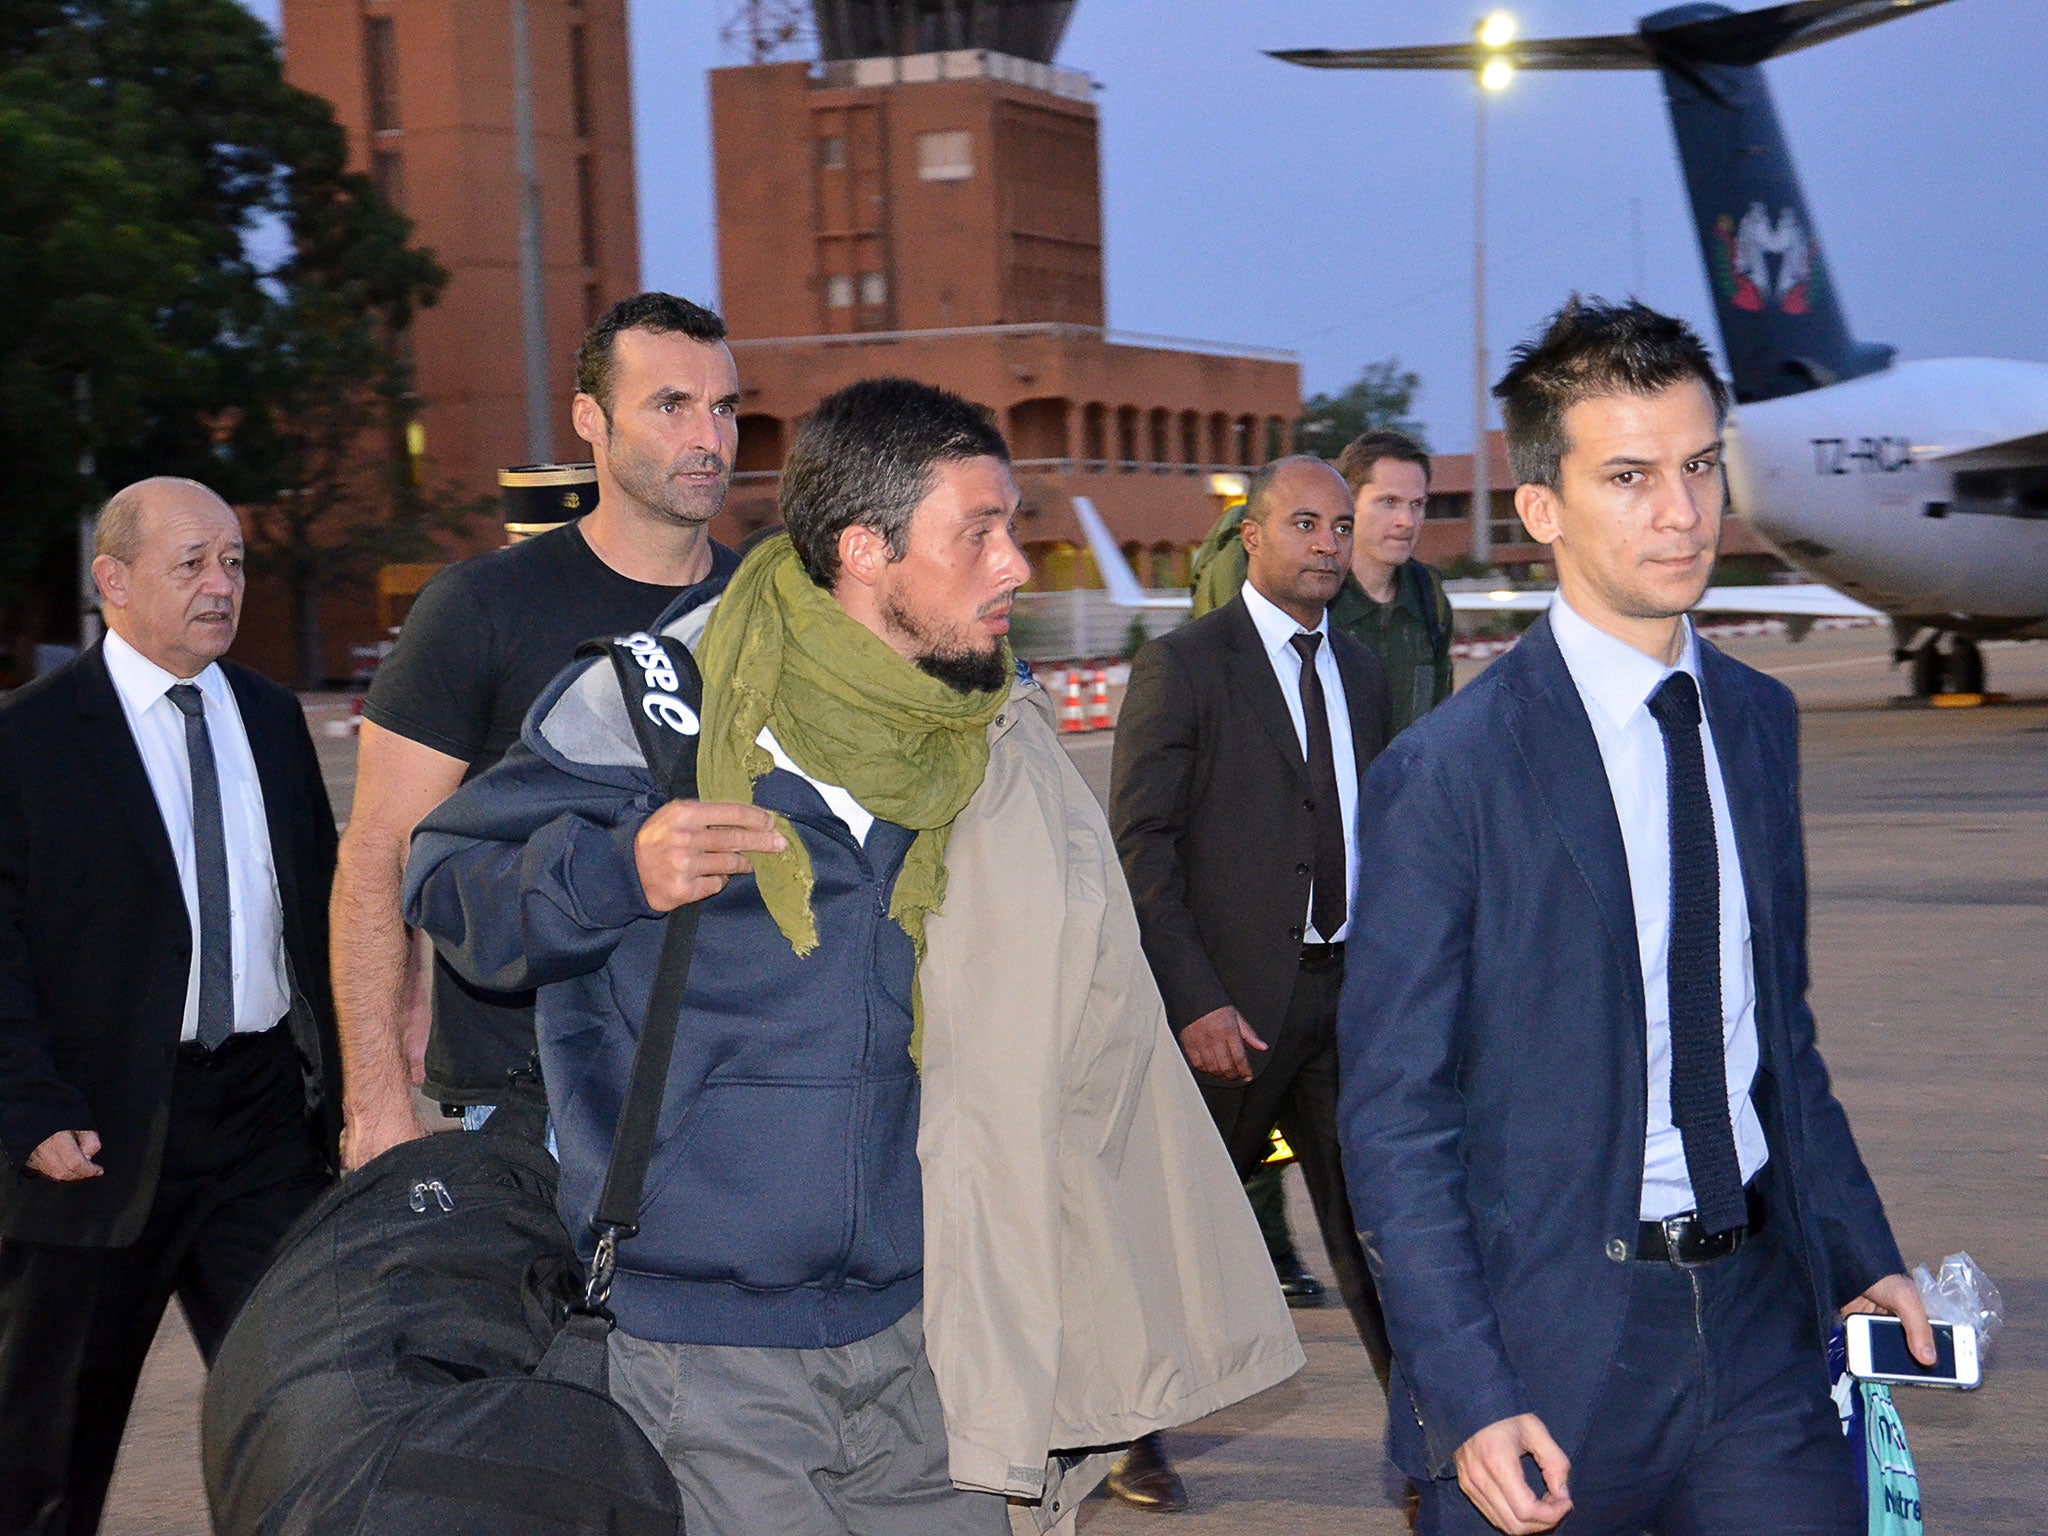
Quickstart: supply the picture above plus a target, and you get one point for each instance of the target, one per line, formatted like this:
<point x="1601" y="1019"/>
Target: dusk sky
<point x="1331" y="213"/>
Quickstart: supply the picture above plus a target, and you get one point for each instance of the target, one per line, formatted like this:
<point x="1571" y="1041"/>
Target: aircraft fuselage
<point x="1855" y="483"/>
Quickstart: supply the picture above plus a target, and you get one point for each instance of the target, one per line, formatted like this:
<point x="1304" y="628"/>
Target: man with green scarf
<point x="816" y="1263"/>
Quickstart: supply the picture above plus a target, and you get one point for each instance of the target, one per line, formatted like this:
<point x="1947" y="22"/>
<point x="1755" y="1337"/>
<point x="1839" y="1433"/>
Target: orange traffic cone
<point x="1098" y="702"/>
<point x="1070" y="709"/>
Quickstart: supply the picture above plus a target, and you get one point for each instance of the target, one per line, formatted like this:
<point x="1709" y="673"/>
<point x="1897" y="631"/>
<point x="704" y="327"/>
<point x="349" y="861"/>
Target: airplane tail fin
<point x="1781" y="320"/>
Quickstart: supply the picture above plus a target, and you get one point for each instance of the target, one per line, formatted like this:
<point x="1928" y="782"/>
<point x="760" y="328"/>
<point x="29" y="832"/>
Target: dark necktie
<point x="210" y="853"/>
<point x="1326" y="811"/>
<point x="1699" y="1067"/>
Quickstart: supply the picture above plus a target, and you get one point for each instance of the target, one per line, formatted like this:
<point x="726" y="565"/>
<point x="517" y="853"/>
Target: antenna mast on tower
<point x="766" y="29"/>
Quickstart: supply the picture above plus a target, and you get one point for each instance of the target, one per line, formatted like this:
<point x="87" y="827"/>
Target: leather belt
<point x="1682" y="1240"/>
<point x="1321" y="957"/>
<point x="192" y="1054"/>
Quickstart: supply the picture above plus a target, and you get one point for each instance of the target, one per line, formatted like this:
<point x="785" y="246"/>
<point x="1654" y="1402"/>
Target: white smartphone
<point x="1877" y="1352"/>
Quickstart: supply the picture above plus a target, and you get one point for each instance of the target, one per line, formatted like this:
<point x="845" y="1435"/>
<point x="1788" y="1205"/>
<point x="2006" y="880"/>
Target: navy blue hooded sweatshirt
<point x="783" y="1206"/>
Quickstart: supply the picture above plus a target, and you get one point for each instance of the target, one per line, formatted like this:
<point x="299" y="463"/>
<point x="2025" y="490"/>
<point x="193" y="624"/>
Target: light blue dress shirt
<point x="1615" y="681"/>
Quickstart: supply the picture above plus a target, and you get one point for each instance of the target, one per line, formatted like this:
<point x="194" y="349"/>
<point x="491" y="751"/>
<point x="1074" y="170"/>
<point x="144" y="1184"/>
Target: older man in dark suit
<point x="1612" y="1206"/>
<point x="1233" y="795"/>
<point x="167" y="1050"/>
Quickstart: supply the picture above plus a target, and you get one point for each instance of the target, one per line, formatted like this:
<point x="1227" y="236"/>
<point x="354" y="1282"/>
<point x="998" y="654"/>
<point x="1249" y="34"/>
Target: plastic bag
<point x="1884" y="1463"/>
<point x="1960" y="1292"/>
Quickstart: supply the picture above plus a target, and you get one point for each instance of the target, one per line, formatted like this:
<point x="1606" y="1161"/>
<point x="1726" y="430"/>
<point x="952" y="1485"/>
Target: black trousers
<point x="1296" y="1089"/>
<point x="76" y="1323"/>
<point x="1715" y="1419"/>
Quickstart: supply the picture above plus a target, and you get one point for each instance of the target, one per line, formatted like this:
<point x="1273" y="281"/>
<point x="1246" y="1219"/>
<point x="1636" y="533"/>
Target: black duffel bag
<point x="426" y="1353"/>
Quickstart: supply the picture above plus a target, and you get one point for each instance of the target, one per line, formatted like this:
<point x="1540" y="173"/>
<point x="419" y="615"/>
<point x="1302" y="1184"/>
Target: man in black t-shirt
<point x="657" y="393"/>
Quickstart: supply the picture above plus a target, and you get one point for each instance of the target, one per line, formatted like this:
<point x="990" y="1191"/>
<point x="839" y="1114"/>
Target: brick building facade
<point x="939" y="215"/>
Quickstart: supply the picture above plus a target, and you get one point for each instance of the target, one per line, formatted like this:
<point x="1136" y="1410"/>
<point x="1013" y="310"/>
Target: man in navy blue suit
<point x="1611" y="1204"/>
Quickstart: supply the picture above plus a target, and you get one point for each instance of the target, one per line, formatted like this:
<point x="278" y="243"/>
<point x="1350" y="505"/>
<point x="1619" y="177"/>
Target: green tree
<point x="151" y="152"/>
<point x="87" y="267"/>
<point x="1379" y="400"/>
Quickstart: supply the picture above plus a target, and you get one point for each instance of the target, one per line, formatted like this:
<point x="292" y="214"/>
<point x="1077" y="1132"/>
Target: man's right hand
<point x="370" y="1130"/>
<point x="1215" y="1045"/>
<point x="688" y="849"/>
<point x="1490" y="1472"/>
<point x="67" y="1156"/>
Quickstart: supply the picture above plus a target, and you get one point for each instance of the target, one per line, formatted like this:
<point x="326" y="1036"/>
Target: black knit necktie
<point x="1699" y="1067"/>
<point x="1326" y="811"/>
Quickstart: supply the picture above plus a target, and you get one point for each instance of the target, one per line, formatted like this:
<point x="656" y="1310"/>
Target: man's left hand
<point x="1897" y="1296"/>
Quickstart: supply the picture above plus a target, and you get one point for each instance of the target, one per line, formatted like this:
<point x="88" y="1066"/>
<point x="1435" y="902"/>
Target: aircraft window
<point x="2020" y="492"/>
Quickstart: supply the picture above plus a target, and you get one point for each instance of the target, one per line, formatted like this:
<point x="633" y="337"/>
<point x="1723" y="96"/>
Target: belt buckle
<point x="1675" y="1228"/>
<point x="1704" y="1247"/>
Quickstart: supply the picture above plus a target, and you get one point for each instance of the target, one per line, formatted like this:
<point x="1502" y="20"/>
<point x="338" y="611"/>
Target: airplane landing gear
<point x="1965" y="670"/>
<point x="1959" y="669"/>
<point x="1927" y="669"/>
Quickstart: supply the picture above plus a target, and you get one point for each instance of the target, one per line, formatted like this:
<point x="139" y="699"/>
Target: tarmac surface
<point x="1927" y="842"/>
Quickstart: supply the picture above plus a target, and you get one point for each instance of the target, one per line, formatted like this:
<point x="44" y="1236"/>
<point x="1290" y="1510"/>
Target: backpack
<point x="426" y="1352"/>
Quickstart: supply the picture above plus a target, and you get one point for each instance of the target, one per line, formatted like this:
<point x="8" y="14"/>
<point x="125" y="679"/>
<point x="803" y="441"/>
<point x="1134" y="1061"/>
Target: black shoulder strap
<point x="664" y="696"/>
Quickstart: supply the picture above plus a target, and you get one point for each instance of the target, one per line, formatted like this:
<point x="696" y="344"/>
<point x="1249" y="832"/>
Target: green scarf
<point x="780" y="652"/>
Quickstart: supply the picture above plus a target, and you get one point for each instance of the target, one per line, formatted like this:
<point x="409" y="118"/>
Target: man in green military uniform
<point x="1392" y="603"/>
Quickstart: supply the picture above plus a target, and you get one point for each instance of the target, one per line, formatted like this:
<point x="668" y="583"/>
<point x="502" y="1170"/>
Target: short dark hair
<point x="1260" y="482"/>
<point x="1364" y="451"/>
<point x="662" y="313"/>
<point x="865" y="456"/>
<point x="1591" y="348"/>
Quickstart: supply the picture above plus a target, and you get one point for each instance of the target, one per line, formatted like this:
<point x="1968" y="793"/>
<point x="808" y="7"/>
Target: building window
<point x="874" y="289"/>
<point x="839" y="291"/>
<point x="586" y="209"/>
<point x="579" y="81"/>
<point x="380" y="71"/>
<point x="945" y="156"/>
<point x="388" y="171"/>
<point x="592" y="305"/>
<point x="832" y="153"/>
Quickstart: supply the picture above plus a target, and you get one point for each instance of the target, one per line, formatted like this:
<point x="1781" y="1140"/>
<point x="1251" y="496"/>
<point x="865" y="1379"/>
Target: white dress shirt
<point x="262" y="994"/>
<point x="858" y="818"/>
<point x="1276" y="632"/>
<point x="1615" y="681"/>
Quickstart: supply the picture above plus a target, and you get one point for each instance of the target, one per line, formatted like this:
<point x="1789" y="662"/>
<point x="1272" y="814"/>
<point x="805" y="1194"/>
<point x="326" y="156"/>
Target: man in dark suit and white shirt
<point x="1612" y="1206"/>
<point x="167" y="1051"/>
<point x="1234" y="791"/>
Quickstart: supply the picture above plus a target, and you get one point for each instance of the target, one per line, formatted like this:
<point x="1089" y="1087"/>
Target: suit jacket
<point x="96" y="944"/>
<point x="1493" y="1048"/>
<point x="1209" y="806"/>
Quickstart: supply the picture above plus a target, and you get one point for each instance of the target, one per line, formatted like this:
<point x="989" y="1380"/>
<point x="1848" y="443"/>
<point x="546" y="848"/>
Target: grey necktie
<point x="210" y="850"/>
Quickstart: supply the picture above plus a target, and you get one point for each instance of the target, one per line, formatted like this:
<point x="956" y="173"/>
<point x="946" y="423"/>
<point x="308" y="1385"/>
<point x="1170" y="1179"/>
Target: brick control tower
<point x="926" y="200"/>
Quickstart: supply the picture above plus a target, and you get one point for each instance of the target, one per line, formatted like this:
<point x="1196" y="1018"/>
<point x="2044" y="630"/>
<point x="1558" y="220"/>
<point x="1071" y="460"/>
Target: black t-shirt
<point x="483" y="639"/>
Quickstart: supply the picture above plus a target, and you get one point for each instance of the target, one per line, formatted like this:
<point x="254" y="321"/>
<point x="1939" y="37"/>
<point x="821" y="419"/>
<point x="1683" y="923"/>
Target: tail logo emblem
<point x="1744" y="273"/>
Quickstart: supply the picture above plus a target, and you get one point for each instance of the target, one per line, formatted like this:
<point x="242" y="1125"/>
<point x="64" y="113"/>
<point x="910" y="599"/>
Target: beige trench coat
<point x="1092" y="1269"/>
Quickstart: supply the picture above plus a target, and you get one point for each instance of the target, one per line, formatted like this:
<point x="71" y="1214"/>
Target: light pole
<point x="1494" y="34"/>
<point x="533" y="325"/>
